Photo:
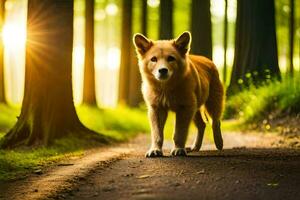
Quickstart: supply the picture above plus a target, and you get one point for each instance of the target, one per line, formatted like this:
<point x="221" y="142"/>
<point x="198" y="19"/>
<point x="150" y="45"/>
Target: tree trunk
<point x="47" y="110"/>
<point x="135" y="96"/>
<point x="89" y="90"/>
<point x="225" y="41"/>
<point x="126" y="46"/>
<point x="2" y="81"/>
<point x="291" y="37"/>
<point x="201" y="28"/>
<point x="144" y="17"/>
<point x="166" y="19"/>
<point x="255" y="58"/>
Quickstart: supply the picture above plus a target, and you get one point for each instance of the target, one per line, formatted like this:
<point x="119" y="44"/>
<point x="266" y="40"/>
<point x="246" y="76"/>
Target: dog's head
<point x="163" y="59"/>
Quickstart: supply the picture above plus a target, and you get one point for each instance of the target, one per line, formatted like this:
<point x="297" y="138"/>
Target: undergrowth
<point x="270" y="100"/>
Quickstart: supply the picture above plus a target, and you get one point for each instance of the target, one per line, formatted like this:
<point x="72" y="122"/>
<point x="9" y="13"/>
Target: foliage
<point x="8" y="117"/>
<point x="120" y="124"/>
<point x="273" y="98"/>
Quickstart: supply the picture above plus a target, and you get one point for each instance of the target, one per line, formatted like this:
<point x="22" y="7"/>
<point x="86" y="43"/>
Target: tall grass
<point x="273" y="98"/>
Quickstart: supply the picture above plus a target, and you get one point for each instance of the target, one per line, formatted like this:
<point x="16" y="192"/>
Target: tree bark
<point x="255" y="58"/>
<point x="144" y="17"/>
<point x="135" y="93"/>
<point x="225" y="41"/>
<point x="126" y="52"/>
<point x="166" y="19"/>
<point x="201" y="28"/>
<point x="89" y="89"/>
<point x="2" y="81"/>
<point x="135" y="96"/>
<point x="47" y="110"/>
<point x="291" y="37"/>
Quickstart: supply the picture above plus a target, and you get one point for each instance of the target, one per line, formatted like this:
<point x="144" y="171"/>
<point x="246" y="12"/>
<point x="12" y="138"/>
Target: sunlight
<point x="14" y="41"/>
<point x="77" y="71"/>
<point x="13" y="35"/>
<point x="113" y="58"/>
<point x="153" y="3"/>
<point x="111" y="9"/>
<point x="217" y="9"/>
<point x="100" y="15"/>
<point x="107" y="63"/>
<point x="218" y="56"/>
<point x="78" y="53"/>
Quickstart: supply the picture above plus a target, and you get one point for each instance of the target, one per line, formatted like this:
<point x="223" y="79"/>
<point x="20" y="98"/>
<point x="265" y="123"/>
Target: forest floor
<point x="251" y="166"/>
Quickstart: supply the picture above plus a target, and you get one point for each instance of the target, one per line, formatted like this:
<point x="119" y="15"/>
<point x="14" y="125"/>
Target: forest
<point x="74" y="123"/>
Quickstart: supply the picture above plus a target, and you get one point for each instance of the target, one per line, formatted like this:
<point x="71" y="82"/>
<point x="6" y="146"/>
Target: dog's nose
<point x="163" y="71"/>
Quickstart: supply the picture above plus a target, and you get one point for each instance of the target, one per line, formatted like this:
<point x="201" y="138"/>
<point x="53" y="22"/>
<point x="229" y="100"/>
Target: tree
<point x="225" y="41"/>
<point x="291" y="36"/>
<point x="89" y="90"/>
<point x="47" y="110"/>
<point x="124" y="74"/>
<point x="201" y="28"/>
<point x="2" y="86"/>
<point x="129" y="77"/>
<point x="135" y="96"/>
<point x="166" y="19"/>
<point x="255" y="58"/>
<point x="144" y="17"/>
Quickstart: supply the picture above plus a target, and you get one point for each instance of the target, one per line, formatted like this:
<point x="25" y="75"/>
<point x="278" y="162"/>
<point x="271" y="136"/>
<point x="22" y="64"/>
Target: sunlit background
<point x="107" y="42"/>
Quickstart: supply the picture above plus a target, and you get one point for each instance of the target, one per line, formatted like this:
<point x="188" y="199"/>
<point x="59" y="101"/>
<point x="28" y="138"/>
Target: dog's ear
<point x="141" y="43"/>
<point x="183" y="42"/>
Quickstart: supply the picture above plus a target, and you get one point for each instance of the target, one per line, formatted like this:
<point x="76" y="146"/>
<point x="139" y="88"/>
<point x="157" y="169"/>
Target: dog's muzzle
<point x="162" y="74"/>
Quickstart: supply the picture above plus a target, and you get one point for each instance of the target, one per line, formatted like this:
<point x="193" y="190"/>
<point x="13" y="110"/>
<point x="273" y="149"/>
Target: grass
<point x="121" y="124"/>
<point x="268" y="101"/>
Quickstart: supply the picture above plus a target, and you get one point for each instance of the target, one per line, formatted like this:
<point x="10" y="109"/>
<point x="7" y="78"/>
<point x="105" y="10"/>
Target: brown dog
<point x="174" y="80"/>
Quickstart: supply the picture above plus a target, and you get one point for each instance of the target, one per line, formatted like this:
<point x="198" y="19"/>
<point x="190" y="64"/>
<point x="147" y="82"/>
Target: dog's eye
<point x="171" y="58"/>
<point x="154" y="59"/>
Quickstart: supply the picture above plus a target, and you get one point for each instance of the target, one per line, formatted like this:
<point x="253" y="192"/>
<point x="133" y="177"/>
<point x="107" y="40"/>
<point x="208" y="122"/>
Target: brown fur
<point x="192" y="83"/>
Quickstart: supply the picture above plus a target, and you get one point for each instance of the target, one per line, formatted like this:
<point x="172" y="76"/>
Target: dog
<point x="189" y="85"/>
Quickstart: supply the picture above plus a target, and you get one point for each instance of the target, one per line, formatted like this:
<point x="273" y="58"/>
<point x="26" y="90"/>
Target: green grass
<point x="270" y="100"/>
<point x="120" y="124"/>
<point x="18" y="163"/>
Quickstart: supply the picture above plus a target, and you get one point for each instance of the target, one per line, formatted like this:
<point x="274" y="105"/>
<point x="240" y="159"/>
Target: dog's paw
<point x="192" y="149"/>
<point x="219" y="144"/>
<point x="217" y="135"/>
<point x="154" y="153"/>
<point x="218" y="141"/>
<point x="178" y="152"/>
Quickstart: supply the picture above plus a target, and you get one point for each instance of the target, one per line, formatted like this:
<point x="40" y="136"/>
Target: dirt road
<point x="249" y="168"/>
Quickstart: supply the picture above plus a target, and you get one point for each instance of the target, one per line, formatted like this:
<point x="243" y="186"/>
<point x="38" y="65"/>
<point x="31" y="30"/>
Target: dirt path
<point x="249" y="168"/>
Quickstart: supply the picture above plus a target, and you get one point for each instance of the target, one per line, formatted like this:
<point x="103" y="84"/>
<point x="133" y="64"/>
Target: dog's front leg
<point x="157" y="116"/>
<point x="184" y="115"/>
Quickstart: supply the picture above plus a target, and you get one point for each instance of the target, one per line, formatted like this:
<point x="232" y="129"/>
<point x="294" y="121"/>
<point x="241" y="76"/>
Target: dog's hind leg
<point x="200" y="124"/>
<point x="216" y="125"/>
<point x="214" y="107"/>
